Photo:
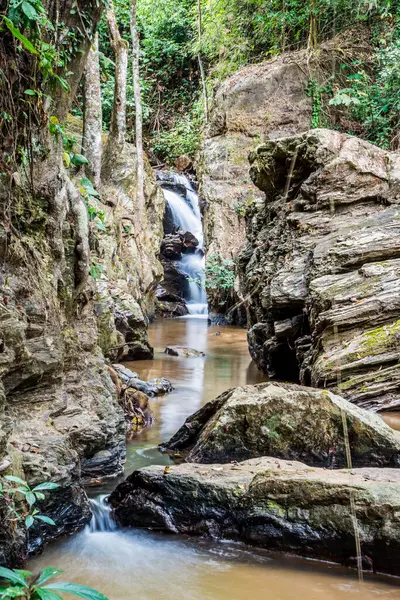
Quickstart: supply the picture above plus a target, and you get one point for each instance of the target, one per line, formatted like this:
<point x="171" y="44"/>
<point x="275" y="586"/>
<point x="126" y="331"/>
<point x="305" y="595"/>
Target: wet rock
<point x="285" y="421"/>
<point x="181" y="351"/>
<point x="321" y="266"/>
<point x="169" y="305"/>
<point x="154" y="387"/>
<point x="273" y="504"/>
<point x="183" y="163"/>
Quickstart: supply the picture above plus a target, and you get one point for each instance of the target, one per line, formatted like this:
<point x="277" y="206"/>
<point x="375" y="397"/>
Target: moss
<point x="377" y="341"/>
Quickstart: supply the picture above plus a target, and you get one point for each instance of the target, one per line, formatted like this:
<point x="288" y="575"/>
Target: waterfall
<point x="186" y="215"/>
<point x="101" y="516"/>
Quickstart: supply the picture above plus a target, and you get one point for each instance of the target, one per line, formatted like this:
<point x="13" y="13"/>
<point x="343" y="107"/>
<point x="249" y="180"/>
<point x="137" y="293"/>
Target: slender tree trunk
<point x="91" y="141"/>
<point x="202" y="75"/>
<point x="116" y="137"/>
<point x="138" y="112"/>
<point x="312" y="41"/>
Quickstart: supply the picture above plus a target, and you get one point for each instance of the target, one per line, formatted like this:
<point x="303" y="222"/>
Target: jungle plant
<point x="29" y="496"/>
<point x="26" y="585"/>
<point x="220" y="277"/>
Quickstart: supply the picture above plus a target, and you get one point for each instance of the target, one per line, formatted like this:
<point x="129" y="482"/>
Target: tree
<point x="138" y="111"/>
<point x="116" y="137"/>
<point x="92" y="123"/>
<point x="203" y="78"/>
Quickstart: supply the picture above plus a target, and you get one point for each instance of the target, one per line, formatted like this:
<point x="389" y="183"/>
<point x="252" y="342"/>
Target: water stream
<point x="143" y="565"/>
<point x="186" y="216"/>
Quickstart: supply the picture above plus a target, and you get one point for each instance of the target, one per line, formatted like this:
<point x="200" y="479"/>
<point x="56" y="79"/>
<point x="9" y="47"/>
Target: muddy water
<point x="141" y="565"/>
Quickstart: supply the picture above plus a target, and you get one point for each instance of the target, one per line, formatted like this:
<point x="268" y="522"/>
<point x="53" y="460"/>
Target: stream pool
<point x="141" y="565"/>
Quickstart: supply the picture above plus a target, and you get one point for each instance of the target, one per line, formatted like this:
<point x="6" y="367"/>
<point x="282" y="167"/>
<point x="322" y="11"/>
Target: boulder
<point x="321" y="265"/>
<point x="272" y="504"/>
<point x="289" y="422"/>
<point x="184" y="352"/>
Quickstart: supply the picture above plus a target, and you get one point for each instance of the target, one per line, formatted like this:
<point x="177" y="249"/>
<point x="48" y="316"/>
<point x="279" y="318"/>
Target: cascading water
<point x="186" y="216"/>
<point x="101" y="516"/>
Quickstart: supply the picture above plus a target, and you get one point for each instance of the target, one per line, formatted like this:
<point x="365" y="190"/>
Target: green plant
<point x="96" y="269"/>
<point x="316" y="92"/>
<point x="25" y="585"/>
<point x="90" y="195"/>
<point x="220" y="277"/>
<point x="30" y="497"/>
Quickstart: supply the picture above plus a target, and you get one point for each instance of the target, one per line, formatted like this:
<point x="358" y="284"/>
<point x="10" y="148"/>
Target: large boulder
<point x="289" y="422"/>
<point x="321" y="266"/>
<point x="272" y="504"/>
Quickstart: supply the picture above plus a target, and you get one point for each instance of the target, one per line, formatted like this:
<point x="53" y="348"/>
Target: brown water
<point x="141" y="565"/>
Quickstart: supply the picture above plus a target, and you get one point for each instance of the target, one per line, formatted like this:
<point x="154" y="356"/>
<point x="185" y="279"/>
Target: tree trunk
<point x="116" y="137"/>
<point x="202" y="75"/>
<point x="91" y="141"/>
<point x="138" y="113"/>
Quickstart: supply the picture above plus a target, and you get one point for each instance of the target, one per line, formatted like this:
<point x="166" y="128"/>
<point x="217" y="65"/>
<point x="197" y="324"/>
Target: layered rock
<point x="321" y="264"/>
<point x="274" y="504"/>
<point x="265" y="100"/>
<point x="289" y="422"/>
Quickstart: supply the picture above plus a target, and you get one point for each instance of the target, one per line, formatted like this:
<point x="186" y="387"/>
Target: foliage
<point x="220" y="277"/>
<point x="169" y="72"/>
<point x="183" y="137"/>
<point x="373" y="98"/>
<point x="13" y="486"/>
<point x="25" y="585"/>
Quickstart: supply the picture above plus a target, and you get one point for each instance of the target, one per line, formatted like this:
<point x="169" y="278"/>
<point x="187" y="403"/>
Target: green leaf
<point x="12" y="592"/>
<point x="30" y="92"/>
<point x="29" y="11"/>
<point x="25" y="574"/>
<point x="79" y="159"/>
<point x="101" y="226"/>
<point x="47" y="594"/>
<point x="30" y="498"/>
<point x="29" y="521"/>
<point x="15" y="479"/>
<point x="45" y="519"/>
<point x="47" y="485"/>
<point x="27" y="44"/>
<point x="46" y="574"/>
<point x="82" y="591"/>
<point x="39" y="495"/>
<point x="13" y="576"/>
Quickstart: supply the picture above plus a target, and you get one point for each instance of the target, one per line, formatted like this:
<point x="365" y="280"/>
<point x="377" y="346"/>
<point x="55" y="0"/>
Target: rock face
<point x="321" y="265"/>
<point x="272" y="504"/>
<point x="285" y="421"/>
<point x="267" y="100"/>
<point x="60" y="418"/>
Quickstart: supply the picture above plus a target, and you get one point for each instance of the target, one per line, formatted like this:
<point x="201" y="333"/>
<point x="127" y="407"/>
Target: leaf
<point x="27" y="44"/>
<point x="13" y="576"/>
<point x="79" y="159"/>
<point x="66" y="159"/>
<point x="30" y="92"/>
<point x="46" y="574"/>
<point x="12" y="592"/>
<point x="47" y="594"/>
<point x="29" y="521"/>
<point x="15" y="479"/>
<point x="29" y="11"/>
<point x="25" y="574"/>
<point x="101" y="226"/>
<point x="39" y="495"/>
<point x="30" y="498"/>
<point x="47" y="485"/>
<point x="46" y="519"/>
<point x="82" y="591"/>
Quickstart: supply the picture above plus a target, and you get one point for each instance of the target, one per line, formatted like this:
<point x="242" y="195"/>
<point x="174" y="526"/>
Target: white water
<point x="101" y="516"/>
<point x="186" y="216"/>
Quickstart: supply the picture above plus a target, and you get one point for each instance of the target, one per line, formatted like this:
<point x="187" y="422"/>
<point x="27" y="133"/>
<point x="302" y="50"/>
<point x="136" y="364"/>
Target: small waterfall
<point x="101" y="516"/>
<point x="186" y="215"/>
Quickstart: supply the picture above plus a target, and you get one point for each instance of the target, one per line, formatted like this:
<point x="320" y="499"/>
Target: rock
<point x="183" y="163"/>
<point x="285" y="421"/>
<point x="273" y="504"/>
<point x="181" y="351"/>
<point x="169" y="305"/>
<point x="154" y="387"/>
<point x="174" y="245"/>
<point x="321" y="266"/>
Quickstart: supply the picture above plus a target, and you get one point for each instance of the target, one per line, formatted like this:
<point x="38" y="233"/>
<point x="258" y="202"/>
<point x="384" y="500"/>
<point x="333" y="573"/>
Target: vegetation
<point x="25" y="585"/>
<point x="220" y="278"/>
<point x="25" y="510"/>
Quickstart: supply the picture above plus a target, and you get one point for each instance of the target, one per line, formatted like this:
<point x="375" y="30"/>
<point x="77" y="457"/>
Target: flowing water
<point x="142" y="565"/>
<point x="187" y="217"/>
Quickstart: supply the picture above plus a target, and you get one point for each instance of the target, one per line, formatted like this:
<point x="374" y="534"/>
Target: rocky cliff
<point x="60" y="416"/>
<point x="321" y="265"/>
